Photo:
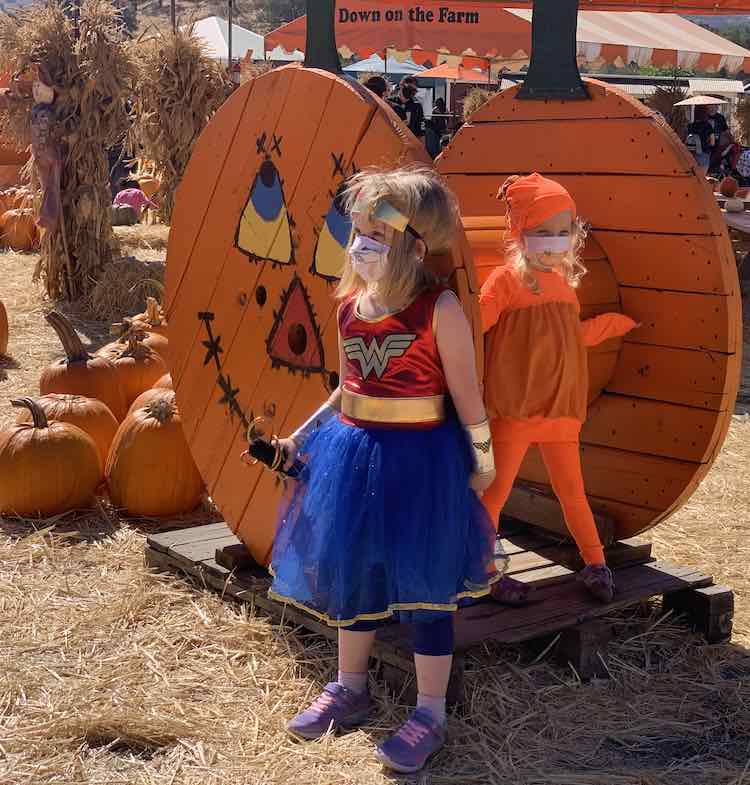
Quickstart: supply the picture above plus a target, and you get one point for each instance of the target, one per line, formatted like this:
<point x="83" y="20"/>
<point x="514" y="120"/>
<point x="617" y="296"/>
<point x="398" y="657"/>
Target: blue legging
<point x="431" y="638"/>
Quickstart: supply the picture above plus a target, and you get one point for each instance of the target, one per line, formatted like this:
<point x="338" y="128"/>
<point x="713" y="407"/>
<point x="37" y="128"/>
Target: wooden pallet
<point x="212" y="556"/>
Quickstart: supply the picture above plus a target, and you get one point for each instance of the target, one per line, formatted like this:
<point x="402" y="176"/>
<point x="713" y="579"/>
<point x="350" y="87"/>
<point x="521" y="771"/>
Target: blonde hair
<point x="572" y="267"/>
<point x="423" y="197"/>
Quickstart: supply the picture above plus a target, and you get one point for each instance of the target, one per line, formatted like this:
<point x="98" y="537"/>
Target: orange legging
<point x="563" y="463"/>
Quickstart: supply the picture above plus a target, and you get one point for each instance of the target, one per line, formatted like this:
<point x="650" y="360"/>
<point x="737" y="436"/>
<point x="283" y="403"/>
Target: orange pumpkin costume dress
<point x="536" y="374"/>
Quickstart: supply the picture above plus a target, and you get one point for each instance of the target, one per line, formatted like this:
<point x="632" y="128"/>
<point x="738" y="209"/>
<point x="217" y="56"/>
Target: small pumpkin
<point x="91" y="416"/>
<point x="165" y="382"/>
<point x="18" y="229"/>
<point x="80" y="373"/>
<point x="150" y="470"/>
<point x="728" y="187"/>
<point x="137" y="365"/>
<point x="3" y="330"/>
<point x="154" y="394"/>
<point x="46" y="468"/>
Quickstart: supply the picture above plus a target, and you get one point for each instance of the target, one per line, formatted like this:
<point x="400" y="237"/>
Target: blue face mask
<point x="369" y="258"/>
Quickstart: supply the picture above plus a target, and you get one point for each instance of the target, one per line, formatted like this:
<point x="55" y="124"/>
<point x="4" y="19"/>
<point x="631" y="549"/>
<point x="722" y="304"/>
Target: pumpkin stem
<point x="37" y="413"/>
<point x="136" y="347"/>
<point x="72" y="344"/>
<point x="161" y="409"/>
<point x="153" y="310"/>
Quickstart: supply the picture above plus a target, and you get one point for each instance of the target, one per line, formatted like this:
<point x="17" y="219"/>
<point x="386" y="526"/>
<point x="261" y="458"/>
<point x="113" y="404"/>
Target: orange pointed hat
<point x="531" y="200"/>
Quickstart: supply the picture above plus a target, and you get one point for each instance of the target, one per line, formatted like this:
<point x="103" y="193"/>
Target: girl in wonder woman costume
<point x="384" y="521"/>
<point x="536" y="377"/>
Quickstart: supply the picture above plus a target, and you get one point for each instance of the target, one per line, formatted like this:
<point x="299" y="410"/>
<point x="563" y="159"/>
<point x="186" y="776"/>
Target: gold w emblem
<point x="376" y="357"/>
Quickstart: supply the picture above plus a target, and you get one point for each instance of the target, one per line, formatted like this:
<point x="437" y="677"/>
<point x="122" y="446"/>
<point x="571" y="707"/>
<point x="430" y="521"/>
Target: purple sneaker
<point x="336" y="707"/>
<point x="413" y="744"/>
<point x="598" y="579"/>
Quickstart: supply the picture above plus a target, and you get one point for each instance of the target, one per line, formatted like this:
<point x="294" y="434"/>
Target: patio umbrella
<point x="456" y="73"/>
<point x="701" y="100"/>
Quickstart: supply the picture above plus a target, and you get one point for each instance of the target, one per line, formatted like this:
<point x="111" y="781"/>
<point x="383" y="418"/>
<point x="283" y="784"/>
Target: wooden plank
<point x="692" y="263"/>
<point x="710" y="610"/>
<point x="605" y="101"/>
<point x="652" y="427"/>
<point x="162" y="541"/>
<point x="192" y="553"/>
<point x="682" y="376"/>
<point x="677" y="205"/>
<point x="681" y="319"/>
<point x="594" y="146"/>
<point x="583" y="646"/>
<point x="642" y="480"/>
<point x="217" y="232"/>
<point x="564" y="605"/>
<point x="201" y="179"/>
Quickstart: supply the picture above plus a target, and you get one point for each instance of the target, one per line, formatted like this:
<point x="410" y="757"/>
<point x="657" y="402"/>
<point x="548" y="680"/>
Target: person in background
<point x="409" y="110"/>
<point x="129" y="197"/>
<point x="725" y="155"/>
<point x="435" y="127"/>
<point x="703" y="129"/>
<point x="717" y="120"/>
<point x="377" y="85"/>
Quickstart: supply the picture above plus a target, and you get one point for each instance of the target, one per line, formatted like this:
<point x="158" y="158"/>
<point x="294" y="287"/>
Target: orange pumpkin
<point x="80" y="373"/>
<point x="18" y="229"/>
<point x="127" y="327"/>
<point x="46" y="468"/>
<point x="728" y="187"/>
<point x="137" y="365"/>
<point x="150" y="470"/>
<point x="165" y="382"/>
<point x="91" y="416"/>
<point x="154" y="394"/>
<point x="3" y="330"/>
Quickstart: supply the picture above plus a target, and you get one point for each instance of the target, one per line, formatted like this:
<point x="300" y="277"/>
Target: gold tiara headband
<point x="392" y="217"/>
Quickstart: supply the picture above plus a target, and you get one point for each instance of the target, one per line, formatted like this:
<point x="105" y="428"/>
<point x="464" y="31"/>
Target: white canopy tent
<point x="214" y="32"/>
<point x="375" y="64"/>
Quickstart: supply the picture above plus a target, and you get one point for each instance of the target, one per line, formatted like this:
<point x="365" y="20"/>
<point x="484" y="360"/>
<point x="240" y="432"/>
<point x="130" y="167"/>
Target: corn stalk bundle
<point x="93" y="74"/>
<point x="663" y="101"/>
<point x="179" y="89"/>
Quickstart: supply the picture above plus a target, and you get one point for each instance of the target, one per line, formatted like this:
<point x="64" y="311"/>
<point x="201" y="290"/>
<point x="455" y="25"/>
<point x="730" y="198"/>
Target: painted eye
<point x="333" y="241"/>
<point x="264" y="231"/>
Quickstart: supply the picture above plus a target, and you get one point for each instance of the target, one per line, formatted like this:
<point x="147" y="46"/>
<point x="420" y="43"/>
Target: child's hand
<point x="289" y="448"/>
<point x="480" y="482"/>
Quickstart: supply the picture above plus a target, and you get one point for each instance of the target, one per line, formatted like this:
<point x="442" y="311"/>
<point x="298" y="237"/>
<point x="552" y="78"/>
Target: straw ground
<point x="112" y="674"/>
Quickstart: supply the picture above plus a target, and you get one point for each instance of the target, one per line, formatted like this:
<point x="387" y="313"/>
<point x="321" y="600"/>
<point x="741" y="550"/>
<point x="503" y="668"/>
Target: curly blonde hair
<point x="420" y="194"/>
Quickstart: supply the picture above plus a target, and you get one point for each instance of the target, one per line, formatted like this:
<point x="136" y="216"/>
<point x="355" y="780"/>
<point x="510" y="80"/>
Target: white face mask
<point x="538" y="244"/>
<point x="369" y="258"/>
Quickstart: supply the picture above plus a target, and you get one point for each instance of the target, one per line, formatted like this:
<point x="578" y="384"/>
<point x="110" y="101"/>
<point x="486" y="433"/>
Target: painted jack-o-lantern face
<point x="258" y="240"/>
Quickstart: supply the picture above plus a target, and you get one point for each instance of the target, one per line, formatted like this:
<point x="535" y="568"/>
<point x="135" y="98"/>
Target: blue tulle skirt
<point x="382" y="523"/>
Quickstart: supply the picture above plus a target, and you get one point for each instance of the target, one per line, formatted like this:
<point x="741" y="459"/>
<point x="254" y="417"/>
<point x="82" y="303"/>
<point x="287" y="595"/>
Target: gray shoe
<point x="335" y="708"/>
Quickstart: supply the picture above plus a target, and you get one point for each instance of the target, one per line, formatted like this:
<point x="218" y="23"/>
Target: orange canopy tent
<point x="473" y="34"/>
<point x="455" y="74"/>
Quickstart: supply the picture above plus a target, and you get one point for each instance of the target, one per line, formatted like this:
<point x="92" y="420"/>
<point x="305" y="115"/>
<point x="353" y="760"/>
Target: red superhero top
<point x="393" y="375"/>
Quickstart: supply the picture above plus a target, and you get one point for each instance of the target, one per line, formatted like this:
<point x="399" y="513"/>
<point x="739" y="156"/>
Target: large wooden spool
<point x="662" y="399"/>
<point x="256" y="240"/>
<point x="255" y="247"/>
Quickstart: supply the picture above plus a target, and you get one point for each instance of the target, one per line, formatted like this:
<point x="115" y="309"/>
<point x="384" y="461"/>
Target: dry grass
<point x="115" y="675"/>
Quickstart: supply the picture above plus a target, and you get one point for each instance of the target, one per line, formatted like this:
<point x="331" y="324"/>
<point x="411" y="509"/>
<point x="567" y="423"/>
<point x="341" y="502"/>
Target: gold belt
<point x="392" y="410"/>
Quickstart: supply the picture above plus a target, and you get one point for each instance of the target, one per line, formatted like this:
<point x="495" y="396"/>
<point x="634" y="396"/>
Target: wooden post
<point x="553" y="70"/>
<point x="173" y="15"/>
<point x="320" y="48"/>
<point x="229" y="37"/>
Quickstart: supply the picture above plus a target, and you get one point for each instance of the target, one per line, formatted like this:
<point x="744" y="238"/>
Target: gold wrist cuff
<point x="480" y="440"/>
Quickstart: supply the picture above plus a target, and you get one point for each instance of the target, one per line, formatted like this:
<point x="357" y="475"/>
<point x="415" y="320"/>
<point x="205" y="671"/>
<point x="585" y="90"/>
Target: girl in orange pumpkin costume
<point x="536" y="376"/>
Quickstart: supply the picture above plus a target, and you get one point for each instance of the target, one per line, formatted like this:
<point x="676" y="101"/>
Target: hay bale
<point x="123" y="288"/>
<point x="179" y="89"/>
<point x="93" y="72"/>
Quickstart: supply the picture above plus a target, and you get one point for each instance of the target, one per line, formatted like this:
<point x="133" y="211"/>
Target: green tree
<point x="273" y="13"/>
